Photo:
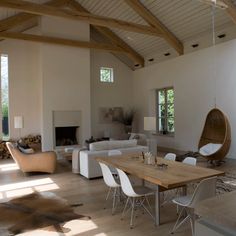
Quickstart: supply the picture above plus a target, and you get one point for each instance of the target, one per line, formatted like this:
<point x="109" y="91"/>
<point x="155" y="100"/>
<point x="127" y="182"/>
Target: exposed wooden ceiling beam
<point x="231" y="9"/>
<point x="157" y="24"/>
<point x="44" y="10"/>
<point x="60" y="41"/>
<point x="116" y="40"/>
<point x="21" y="18"/>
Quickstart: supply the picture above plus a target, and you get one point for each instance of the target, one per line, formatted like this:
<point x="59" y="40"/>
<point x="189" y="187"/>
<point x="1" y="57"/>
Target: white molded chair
<point x="137" y="196"/>
<point x="205" y="189"/>
<point x="111" y="183"/>
<point x="168" y="195"/>
<point x="114" y="152"/>
<point x="190" y="161"/>
<point x="170" y="156"/>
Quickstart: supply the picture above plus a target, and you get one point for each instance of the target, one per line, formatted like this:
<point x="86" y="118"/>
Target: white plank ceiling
<point x="189" y="20"/>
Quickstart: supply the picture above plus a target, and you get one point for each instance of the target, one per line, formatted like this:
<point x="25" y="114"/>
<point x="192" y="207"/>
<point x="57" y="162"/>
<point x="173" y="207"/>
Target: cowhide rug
<point x="37" y="210"/>
<point x="226" y="183"/>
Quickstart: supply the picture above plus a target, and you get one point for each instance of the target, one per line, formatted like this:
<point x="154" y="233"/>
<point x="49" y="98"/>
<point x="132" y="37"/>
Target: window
<point x="106" y="75"/>
<point x="4" y="97"/>
<point x="165" y="111"/>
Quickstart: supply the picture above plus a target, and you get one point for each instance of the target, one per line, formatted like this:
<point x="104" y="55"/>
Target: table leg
<point x="157" y="206"/>
<point x="184" y="193"/>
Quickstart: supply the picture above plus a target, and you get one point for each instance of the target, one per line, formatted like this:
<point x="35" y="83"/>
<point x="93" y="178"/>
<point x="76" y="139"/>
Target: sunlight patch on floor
<point x="231" y="182"/>
<point x="9" y="167"/>
<point x="40" y="233"/>
<point x="19" y="192"/>
<point x="46" y="187"/>
<point x="80" y="226"/>
<point x="27" y="187"/>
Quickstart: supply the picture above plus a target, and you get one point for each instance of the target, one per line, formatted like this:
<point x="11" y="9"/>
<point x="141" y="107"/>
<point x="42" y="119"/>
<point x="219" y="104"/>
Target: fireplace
<point x="65" y="136"/>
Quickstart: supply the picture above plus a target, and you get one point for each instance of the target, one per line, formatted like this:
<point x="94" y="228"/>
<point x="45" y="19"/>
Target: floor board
<point x="91" y="193"/>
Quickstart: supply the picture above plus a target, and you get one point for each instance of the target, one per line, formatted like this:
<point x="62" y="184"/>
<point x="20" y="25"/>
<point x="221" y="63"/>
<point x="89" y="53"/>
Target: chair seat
<point x="143" y="190"/>
<point x="183" y="200"/>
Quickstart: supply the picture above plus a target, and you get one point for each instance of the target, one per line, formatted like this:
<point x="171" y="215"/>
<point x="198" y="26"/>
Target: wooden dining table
<point x="173" y="175"/>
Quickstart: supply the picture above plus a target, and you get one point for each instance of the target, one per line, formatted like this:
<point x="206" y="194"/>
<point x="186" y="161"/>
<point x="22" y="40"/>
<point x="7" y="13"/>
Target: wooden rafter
<point x="156" y="23"/>
<point x="44" y="10"/>
<point x="21" y="18"/>
<point x="116" y="40"/>
<point x="231" y="9"/>
<point x="61" y="41"/>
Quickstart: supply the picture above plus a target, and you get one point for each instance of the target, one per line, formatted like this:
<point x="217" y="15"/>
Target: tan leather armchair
<point x="36" y="162"/>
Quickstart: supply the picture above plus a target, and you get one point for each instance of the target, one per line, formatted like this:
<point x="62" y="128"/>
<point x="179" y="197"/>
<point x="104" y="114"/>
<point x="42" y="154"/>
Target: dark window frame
<point x="165" y="118"/>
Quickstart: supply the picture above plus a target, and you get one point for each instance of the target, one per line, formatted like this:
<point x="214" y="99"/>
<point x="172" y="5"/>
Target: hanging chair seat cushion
<point x="209" y="149"/>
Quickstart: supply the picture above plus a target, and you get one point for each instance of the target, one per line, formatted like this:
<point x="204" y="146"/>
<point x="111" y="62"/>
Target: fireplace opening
<point x="66" y="135"/>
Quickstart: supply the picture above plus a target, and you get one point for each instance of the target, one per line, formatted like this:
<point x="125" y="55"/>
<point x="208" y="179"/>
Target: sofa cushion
<point x="108" y="145"/>
<point x="141" y="138"/>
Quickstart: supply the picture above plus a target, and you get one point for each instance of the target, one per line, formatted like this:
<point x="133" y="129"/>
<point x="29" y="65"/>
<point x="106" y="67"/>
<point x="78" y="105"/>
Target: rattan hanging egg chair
<point x="215" y="140"/>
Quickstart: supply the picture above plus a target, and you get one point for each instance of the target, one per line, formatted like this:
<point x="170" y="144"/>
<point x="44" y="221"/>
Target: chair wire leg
<point x="148" y="203"/>
<point x="177" y="224"/>
<point x="132" y="212"/>
<point x="108" y="193"/>
<point x="114" y="201"/>
<point x="144" y="207"/>
<point x="192" y="222"/>
<point x="192" y="226"/>
<point x="126" y="204"/>
<point x="120" y="197"/>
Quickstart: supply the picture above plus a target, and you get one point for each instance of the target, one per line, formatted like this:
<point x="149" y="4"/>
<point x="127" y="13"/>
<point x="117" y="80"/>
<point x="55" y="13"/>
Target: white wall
<point x="65" y="76"/>
<point x="197" y="78"/>
<point x="24" y="83"/>
<point x="117" y="94"/>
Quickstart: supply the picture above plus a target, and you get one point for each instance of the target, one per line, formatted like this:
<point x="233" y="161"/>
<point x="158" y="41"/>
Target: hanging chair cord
<point x="213" y="43"/>
<point x="213" y="22"/>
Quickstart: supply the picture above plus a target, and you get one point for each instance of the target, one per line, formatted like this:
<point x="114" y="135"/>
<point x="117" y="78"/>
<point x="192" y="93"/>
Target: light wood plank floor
<point x="91" y="193"/>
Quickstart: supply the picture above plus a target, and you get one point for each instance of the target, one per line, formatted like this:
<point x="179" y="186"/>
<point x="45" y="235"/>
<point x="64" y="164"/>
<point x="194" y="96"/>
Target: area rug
<point x="226" y="183"/>
<point x="37" y="210"/>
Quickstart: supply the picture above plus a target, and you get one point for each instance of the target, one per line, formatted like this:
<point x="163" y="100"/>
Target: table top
<point x="219" y="210"/>
<point x="175" y="175"/>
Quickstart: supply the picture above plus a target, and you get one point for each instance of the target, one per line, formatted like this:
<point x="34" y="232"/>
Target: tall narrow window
<point x="165" y="111"/>
<point x="5" y="97"/>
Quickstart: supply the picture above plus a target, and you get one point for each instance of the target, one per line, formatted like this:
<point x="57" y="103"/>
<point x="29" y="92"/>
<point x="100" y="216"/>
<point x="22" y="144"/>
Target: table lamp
<point x="150" y="125"/>
<point x="18" y="124"/>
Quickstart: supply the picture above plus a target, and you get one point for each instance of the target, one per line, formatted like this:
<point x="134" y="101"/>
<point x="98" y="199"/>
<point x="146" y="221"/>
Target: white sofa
<point x="90" y="168"/>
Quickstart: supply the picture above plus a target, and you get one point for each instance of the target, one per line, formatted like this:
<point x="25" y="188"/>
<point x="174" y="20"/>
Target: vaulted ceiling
<point x="138" y="32"/>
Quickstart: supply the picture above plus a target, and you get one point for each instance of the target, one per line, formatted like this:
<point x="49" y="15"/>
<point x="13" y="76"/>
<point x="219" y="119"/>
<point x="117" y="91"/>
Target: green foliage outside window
<point x="165" y="112"/>
<point x="4" y="110"/>
<point x="106" y="75"/>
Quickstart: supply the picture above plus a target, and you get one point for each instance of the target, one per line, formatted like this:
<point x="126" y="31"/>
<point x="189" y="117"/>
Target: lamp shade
<point x="18" y="122"/>
<point x="149" y="123"/>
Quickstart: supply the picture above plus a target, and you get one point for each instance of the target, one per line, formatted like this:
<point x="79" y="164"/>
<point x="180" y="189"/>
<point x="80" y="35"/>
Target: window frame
<point x="165" y="132"/>
<point x="5" y="138"/>
<point x="111" y="80"/>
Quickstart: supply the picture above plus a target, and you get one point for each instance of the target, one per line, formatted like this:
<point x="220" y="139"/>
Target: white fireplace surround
<point x="66" y="119"/>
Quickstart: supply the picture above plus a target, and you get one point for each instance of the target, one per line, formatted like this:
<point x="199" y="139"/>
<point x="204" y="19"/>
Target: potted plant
<point x="127" y="119"/>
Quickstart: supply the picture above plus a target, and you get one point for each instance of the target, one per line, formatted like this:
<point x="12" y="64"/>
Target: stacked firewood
<point x="33" y="141"/>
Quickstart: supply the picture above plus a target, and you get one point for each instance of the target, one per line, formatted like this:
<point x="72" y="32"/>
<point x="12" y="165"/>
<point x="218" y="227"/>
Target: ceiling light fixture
<point x="220" y="36"/>
<point x="195" y="45"/>
<point x="218" y="3"/>
<point x="167" y="54"/>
